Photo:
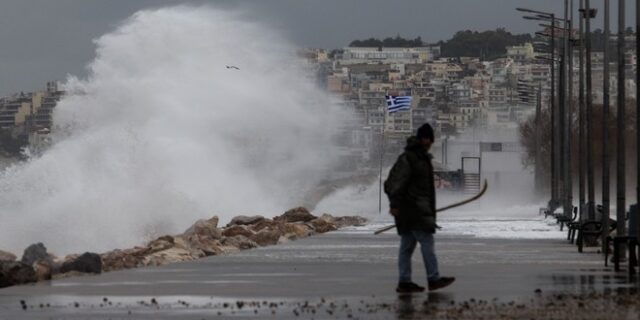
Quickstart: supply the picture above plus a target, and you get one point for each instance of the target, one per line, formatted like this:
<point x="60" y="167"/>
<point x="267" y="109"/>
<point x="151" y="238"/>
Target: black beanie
<point x="425" y="131"/>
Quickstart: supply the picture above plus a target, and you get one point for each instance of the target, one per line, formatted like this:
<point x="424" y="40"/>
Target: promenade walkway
<point x="344" y="274"/>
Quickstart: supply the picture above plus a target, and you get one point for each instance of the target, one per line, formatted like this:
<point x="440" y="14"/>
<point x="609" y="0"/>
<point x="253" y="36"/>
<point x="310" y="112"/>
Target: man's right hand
<point x="394" y="212"/>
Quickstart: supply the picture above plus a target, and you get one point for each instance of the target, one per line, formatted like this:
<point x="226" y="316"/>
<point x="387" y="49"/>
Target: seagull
<point x="233" y="67"/>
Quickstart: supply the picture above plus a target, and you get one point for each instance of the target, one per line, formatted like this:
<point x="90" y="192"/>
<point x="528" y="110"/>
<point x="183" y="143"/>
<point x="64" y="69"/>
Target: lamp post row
<point x="554" y="161"/>
<point x="561" y="118"/>
<point x="560" y="144"/>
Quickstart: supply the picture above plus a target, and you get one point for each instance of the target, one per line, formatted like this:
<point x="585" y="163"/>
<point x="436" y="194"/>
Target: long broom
<point x="451" y="206"/>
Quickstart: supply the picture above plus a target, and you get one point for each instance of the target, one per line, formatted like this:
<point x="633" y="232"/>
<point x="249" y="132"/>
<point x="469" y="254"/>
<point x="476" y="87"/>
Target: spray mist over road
<point x="509" y="209"/>
<point x="162" y="133"/>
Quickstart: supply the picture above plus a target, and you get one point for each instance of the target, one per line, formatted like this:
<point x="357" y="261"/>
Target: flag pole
<point x="393" y="104"/>
<point x="384" y="124"/>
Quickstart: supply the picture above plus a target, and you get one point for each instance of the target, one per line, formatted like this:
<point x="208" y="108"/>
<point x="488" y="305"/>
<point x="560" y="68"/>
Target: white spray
<point x="507" y="210"/>
<point x="162" y="133"/>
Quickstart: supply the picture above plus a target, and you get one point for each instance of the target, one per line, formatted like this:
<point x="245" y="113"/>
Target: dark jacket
<point x="410" y="188"/>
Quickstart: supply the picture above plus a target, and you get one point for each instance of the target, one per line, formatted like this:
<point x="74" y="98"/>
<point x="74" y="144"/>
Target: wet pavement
<point x="344" y="274"/>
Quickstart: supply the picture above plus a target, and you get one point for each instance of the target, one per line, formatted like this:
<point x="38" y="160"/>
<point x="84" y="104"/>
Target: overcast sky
<point x="44" y="40"/>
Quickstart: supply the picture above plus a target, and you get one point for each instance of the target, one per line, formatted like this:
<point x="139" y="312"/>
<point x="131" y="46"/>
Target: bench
<point x="562" y="219"/>
<point x="631" y="239"/>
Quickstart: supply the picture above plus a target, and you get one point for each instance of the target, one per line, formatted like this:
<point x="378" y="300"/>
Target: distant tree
<point x="598" y="41"/>
<point x="486" y="45"/>
<point x="397" y="41"/>
<point x="529" y="133"/>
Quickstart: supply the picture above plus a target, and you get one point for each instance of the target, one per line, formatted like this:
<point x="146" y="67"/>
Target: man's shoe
<point x="441" y="283"/>
<point x="408" y="287"/>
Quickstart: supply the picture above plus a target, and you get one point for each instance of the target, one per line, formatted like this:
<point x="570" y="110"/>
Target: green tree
<point x="529" y="133"/>
<point x="397" y="41"/>
<point x="486" y="45"/>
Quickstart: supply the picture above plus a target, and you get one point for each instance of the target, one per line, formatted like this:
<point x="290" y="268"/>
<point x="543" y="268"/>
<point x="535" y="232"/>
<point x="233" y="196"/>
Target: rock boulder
<point x="201" y="246"/>
<point x="237" y="230"/>
<point x="293" y="231"/>
<point x="245" y="220"/>
<point x="88" y="262"/>
<point x="347" y="221"/>
<point x="69" y="274"/>
<point x="322" y="225"/>
<point x="35" y="252"/>
<point x="14" y="273"/>
<point x="266" y="237"/>
<point x="239" y="241"/>
<point x="7" y="256"/>
<point x="162" y="243"/>
<point x="170" y="255"/>
<point x="299" y="214"/>
<point x="266" y="223"/>
<point x="43" y="270"/>
<point x="204" y="228"/>
<point x="123" y="259"/>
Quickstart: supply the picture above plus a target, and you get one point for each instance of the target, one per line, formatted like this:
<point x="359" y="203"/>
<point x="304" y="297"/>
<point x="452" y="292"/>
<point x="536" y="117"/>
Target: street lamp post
<point x="568" y="112"/>
<point x="589" y="97"/>
<point x="538" y="140"/>
<point x="621" y="188"/>
<point x="605" y="129"/>
<point x="564" y="116"/>
<point x="581" y="119"/>
<point x="638" y="118"/>
<point x="546" y="16"/>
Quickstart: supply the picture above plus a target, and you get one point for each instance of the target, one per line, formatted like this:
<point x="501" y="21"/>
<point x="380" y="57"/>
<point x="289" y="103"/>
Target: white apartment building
<point x="352" y="55"/>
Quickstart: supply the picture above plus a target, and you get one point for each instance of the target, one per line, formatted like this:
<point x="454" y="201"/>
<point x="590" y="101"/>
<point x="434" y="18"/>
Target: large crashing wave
<point x="162" y="133"/>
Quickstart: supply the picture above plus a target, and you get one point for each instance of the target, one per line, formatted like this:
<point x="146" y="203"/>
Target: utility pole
<point x="589" y="97"/>
<point x="638" y="115"/>
<point x="537" y="176"/>
<point x="561" y="114"/>
<point x="567" y="115"/>
<point x="621" y="189"/>
<point x="554" y="120"/>
<point x="605" y="129"/>
<point x="581" y="119"/>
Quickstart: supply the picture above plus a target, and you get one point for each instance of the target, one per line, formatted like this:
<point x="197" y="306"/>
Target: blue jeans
<point x="408" y="243"/>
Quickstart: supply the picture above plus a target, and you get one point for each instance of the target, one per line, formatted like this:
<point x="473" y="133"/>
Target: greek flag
<point x="398" y="103"/>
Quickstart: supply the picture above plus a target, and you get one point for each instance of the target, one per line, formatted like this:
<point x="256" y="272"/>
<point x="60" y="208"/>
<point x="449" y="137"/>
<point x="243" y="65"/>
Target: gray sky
<point x="44" y="40"/>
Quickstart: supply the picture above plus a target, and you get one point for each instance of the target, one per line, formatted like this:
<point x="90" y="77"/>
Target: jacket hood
<point x="413" y="144"/>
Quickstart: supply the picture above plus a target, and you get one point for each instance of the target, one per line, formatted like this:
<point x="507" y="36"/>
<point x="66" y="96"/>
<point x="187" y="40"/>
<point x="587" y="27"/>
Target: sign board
<point x="500" y="147"/>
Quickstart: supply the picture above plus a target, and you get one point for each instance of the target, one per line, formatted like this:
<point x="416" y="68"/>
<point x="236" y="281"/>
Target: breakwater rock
<point x="203" y="238"/>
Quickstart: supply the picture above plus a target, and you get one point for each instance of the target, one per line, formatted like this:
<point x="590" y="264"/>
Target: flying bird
<point x="233" y="67"/>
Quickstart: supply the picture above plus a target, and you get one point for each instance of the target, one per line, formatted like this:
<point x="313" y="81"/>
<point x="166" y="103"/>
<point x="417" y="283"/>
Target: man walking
<point x="412" y="200"/>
